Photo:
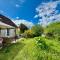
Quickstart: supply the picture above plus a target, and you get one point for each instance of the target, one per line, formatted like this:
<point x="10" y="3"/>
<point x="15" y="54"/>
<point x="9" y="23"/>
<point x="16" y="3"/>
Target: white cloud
<point x="17" y="17"/>
<point x="35" y="16"/>
<point x="27" y="23"/>
<point x="17" y="5"/>
<point x="1" y="11"/>
<point x="48" y="12"/>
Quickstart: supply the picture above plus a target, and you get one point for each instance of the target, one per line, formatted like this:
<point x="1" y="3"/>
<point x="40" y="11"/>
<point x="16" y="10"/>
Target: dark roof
<point x="7" y="20"/>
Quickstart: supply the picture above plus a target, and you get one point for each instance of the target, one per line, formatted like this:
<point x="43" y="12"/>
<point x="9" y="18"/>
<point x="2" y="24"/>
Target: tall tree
<point x="23" y="27"/>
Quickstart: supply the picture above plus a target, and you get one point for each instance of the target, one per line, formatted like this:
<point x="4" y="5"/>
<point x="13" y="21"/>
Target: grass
<point x="10" y="51"/>
<point x="37" y="48"/>
<point x="43" y="50"/>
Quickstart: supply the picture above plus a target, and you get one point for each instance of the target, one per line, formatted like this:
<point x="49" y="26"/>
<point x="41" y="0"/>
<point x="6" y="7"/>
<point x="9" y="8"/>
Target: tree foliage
<point x="37" y="30"/>
<point x="23" y="28"/>
<point x="53" y="29"/>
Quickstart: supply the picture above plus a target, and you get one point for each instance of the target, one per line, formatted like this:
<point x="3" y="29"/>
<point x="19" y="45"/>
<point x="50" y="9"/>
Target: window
<point x="7" y="32"/>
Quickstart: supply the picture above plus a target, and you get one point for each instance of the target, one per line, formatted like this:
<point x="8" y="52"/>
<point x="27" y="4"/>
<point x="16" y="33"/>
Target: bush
<point x="50" y="35"/>
<point x="37" y="30"/>
<point x="42" y="44"/>
<point x="28" y="34"/>
<point x="53" y="30"/>
<point x="6" y="42"/>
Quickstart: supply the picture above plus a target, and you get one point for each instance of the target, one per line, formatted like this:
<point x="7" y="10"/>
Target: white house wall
<point x="11" y="33"/>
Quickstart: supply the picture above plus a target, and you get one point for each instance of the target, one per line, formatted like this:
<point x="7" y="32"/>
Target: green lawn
<point x="37" y="48"/>
<point x="9" y="52"/>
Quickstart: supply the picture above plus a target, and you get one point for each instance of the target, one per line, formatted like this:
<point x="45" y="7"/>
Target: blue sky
<point x="21" y="9"/>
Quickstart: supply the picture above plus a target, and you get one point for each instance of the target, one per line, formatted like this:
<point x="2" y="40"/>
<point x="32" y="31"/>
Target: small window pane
<point x="8" y="32"/>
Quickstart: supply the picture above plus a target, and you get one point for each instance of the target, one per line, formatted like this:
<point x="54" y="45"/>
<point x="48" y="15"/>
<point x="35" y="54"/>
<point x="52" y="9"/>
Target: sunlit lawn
<point x="28" y="49"/>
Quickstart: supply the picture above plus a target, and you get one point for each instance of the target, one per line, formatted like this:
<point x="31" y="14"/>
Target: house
<point x="7" y="29"/>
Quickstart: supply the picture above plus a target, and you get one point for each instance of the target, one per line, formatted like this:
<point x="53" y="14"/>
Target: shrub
<point x="6" y="42"/>
<point x="53" y="30"/>
<point x="37" y="30"/>
<point x="49" y="35"/>
<point x="42" y="44"/>
<point x="28" y="34"/>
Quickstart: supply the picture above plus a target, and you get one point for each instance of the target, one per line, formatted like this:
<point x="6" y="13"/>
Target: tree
<point x="23" y="28"/>
<point x="37" y="30"/>
<point x="53" y="29"/>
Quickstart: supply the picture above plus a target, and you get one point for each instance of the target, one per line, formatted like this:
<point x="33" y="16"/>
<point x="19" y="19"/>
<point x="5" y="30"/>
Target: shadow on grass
<point x="10" y="51"/>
